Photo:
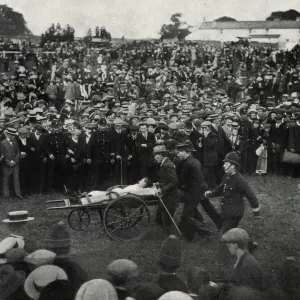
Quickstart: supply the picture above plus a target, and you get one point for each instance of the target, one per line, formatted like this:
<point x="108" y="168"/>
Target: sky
<point x="138" y="18"/>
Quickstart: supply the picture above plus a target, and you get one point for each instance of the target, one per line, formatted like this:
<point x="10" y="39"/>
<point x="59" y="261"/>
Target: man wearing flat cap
<point x="167" y="186"/>
<point x="246" y="270"/>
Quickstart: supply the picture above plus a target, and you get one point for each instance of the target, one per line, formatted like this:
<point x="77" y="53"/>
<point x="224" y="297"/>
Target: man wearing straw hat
<point x="167" y="185"/>
<point x="10" y="155"/>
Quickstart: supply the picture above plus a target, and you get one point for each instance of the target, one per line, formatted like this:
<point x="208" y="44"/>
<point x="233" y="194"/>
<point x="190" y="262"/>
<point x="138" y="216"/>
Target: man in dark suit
<point x="145" y="143"/>
<point x="191" y="180"/>
<point x="131" y="156"/>
<point x="210" y="154"/>
<point x="38" y="158"/>
<point x="10" y="155"/>
<point x="117" y="136"/>
<point x="278" y="137"/>
<point x="167" y="185"/>
<point x="25" y="154"/>
<point x="99" y="155"/>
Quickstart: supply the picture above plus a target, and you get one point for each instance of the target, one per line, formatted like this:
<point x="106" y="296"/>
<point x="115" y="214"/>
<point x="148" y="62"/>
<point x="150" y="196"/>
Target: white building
<point x="284" y="33"/>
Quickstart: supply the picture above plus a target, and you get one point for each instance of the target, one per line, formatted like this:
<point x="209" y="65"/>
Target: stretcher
<point x="124" y="217"/>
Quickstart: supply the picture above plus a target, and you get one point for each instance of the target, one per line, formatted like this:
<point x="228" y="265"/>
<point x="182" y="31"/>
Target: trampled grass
<point x="277" y="233"/>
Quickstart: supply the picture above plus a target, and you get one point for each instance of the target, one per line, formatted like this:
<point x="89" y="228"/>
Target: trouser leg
<point x="188" y="217"/>
<point x="211" y="212"/>
<point x="229" y="223"/>
<point x="6" y="185"/>
<point x="17" y="183"/>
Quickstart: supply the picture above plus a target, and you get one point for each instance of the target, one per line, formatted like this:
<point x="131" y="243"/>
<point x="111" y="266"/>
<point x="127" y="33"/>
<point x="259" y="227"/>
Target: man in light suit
<point x="9" y="150"/>
<point x="167" y="185"/>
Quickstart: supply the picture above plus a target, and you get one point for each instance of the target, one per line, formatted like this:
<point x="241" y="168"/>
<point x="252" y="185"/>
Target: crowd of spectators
<point x="49" y="273"/>
<point x="79" y="111"/>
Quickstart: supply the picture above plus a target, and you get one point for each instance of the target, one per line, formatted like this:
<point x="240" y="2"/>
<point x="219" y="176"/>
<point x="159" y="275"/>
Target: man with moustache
<point x="233" y="189"/>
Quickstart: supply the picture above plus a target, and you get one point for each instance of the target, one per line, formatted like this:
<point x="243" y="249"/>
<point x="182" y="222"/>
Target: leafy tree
<point x="290" y="14"/>
<point x="104" y="34"/>
<point x="53" y="34"/>
<point x="88" y="37"/>
<point x="225" y="19"/>
<point x="176" y="29"/>
<point x="12" y="22"/>
<point x="97" y="32"/>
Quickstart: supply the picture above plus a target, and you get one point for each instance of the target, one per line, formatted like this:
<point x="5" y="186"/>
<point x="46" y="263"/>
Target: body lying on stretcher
<point x="141" y="188"/>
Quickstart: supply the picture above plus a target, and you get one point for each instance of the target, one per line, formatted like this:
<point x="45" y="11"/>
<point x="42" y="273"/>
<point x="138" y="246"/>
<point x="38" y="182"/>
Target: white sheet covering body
<point x="100" y="196"/>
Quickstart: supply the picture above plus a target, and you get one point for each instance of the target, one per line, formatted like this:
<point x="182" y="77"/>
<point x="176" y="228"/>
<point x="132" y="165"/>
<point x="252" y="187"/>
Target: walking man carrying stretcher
<point x="167" y="188"/>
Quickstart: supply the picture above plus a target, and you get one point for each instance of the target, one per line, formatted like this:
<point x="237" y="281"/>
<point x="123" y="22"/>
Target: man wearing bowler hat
<point x="167" y="185"/>
<point x="191" y="179"/>
<point x="233" y="189"/>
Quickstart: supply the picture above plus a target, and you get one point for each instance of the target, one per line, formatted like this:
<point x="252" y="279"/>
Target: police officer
<point x="99" y="154"/>
<point x="232" y="189"/>
<point x="54" y="147"/>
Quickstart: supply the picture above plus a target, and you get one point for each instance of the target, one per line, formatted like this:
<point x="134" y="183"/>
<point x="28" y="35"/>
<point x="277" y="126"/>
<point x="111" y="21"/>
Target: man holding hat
<point x="9" y="150"/>
<point x="232" y="189"/>
<point x="167" y="185"/>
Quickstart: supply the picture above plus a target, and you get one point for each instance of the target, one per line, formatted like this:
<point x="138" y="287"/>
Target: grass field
<point x="277" y="233"/>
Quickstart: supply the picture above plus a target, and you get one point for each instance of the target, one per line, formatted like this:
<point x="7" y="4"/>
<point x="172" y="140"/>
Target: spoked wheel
<point x="79" y="219"/>
<point x="127" y="218"/>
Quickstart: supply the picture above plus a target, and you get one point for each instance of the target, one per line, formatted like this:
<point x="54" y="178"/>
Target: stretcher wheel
<point x="79" y="219"/>
<point x="126" y="218"/>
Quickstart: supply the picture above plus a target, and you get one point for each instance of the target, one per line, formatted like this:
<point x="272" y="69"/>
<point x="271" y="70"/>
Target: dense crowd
<point x="27" y="272"/>
<point x="180" y="115"/>
<point x="86" y="118"/>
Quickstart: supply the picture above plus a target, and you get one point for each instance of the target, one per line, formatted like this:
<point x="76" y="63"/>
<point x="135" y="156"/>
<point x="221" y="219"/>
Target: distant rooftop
<point x="251" y="25"/>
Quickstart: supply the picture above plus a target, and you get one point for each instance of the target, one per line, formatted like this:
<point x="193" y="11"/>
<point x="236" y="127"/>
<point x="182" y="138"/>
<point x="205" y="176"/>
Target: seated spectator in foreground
<point x="242" y="293"/>
<point x="11" y="284"/>
<point x="198" y="280"/>
<point x="40" y="278"/>
<point x="60" y="243"/>
<point x="58" y="290"/>
<point x="15" y="258"/>
<point x="120" y="271"/>
<point x="169" y="260"/>
<point x="97" y="289"/>
<point x="175" y="295"/>
<point x="246" y="270"/>
<point x="149" y="291"/>
<point x="40" y="258"/>
<point x="289" y="277"/>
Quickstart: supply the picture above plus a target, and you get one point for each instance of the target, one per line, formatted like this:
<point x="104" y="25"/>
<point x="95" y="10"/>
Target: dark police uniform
<point x="232" y="189"/>
<point x="99" y="151"/>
